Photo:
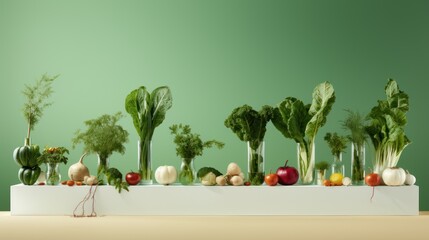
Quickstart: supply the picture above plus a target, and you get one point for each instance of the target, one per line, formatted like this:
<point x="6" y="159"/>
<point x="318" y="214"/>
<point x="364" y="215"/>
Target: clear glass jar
<point x="103" y="166"/>
<point x="320" y="176"/>
<point x="187" y="173"/>
<point x="144" y="155"/>
<point x="255" y="162"/>
<point x="338" y="165"/>
<point x="306" y="161"/>
<point x="358" y="163"/>
<point x="53" y="176"/>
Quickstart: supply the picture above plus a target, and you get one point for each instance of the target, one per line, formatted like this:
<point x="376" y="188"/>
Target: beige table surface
<point x="215" y="227"/>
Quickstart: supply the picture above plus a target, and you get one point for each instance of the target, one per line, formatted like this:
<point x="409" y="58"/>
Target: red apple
<point x="132" y="178"/>
<point x="287" y="175"/>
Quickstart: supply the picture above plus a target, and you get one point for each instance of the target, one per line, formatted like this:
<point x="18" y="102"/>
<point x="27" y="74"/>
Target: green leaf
<point x="206" y="170"/>
<point x="323" y="99"/>
<point x="161" y="102"/>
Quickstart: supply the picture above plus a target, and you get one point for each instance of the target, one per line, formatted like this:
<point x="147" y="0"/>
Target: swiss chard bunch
<point x="301" y="122"/>
<point x="148" y="111"/>
<point x="386" y="127"/>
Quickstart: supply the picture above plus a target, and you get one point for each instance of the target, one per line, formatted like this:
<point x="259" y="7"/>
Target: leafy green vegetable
<point x="205" y="170"/>
<point x="114" y="178"/>
<point x="148" y="111"/>
<point x="336" y="143"/>
<point x="36" y="96"/>
<point x="250" y="126"/>
<point x="190" y="145"/>
<point x="386" y="127"/>
<point x="301" y="123"/>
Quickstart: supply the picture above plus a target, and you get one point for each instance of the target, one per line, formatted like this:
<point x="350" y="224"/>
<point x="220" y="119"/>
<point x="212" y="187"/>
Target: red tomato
<point x="271" y="179"/>
<point x="372" y="179"/>
<point x="133" y="178"/>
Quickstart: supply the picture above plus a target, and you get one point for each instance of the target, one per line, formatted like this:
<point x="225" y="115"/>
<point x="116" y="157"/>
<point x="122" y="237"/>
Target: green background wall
<point x="215" y="56"/>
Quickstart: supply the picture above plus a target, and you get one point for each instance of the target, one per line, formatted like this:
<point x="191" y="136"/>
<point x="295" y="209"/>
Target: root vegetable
<point x="78" y="171"/>
<point x="92" y="180"/>
<point x="236" y="181"/>
<point x="233" y="169"/>
<point x="221" y="180"/>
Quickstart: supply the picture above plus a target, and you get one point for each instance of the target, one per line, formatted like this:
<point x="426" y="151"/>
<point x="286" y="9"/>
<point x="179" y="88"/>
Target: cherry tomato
<point x="70" y="183"/>
<point x="327" y="183"/>
<point x="133" y="178"/>
<point x="271" y="179"/>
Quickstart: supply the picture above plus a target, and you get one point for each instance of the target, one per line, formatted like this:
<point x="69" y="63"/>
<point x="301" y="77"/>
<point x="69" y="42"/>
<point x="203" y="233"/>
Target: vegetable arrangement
<point x="36" y="101"/>
<point x="301" y="123"/>
<point x="386" y="127"/>
<point x="103" y="137"/>
<point x="250" y="126"/>
<point x="148" y="111"/>
<point x="293" y="118"/>
<point x="189" y="145"/>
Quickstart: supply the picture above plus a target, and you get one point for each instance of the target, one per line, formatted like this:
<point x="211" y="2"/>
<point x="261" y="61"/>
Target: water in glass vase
<point x="255" y="162"/>
<point x="187" y="173"/>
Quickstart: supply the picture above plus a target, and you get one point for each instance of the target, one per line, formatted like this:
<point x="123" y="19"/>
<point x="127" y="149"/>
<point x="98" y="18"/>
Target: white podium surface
<point x="217" y="200"/>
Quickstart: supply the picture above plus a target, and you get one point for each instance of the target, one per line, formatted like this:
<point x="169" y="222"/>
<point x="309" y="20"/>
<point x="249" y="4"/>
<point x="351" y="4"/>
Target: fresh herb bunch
<point x="336" y="143"/>
<point x="386" y="127"/>
<point x="36" y="100"/>
<point x="189" y="145"/>
<point x="321" y="166"/>
<point x="248" y="124"/>
<point x="355" y="124"/>
<point x="51" y="155"/>
<point x="103" y="136"/>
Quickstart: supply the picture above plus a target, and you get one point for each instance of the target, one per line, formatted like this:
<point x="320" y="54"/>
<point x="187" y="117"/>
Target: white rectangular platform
<point x="217" y="200"/>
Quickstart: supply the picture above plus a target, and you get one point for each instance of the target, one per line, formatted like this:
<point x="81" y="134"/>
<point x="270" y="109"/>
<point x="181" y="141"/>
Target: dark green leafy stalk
<point x="250" y="126"/>
<point x="386" y="127"/>
<point x="36" y="100"/>
<point x="336" y="143"/>
<point x="301" y="122"/>
<point x="355" y="124"/>
<point x="148" y="111"/>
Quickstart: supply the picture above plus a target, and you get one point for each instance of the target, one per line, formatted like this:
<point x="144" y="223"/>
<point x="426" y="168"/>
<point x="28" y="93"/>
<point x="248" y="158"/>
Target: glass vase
<point x="103" y="166"/>
<point x="320" y="176"/>
<point x="306" y="161"/>
<point x="187" y="173"/>
<point x="358" y="164"/>
<point x="52" y="175"/>
<point x="255" y="162"/>
<point x="338" y="165"/>
<point x="144" y="155"/>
